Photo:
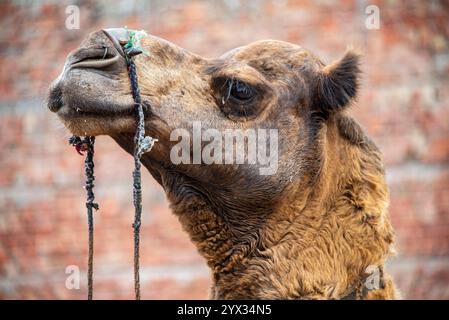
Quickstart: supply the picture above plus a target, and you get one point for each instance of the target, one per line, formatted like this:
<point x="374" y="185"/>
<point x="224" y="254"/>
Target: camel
<point x="314" y="228"/>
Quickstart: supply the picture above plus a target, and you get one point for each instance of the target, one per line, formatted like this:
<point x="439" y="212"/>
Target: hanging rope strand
<point x="89" y="172"/>
<point x="137" y="185"/>
<point x="142" y="144"/>
<point x="87" y="144"/>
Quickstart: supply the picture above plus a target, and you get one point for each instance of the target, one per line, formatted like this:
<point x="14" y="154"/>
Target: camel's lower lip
<point x="68" y="113"/>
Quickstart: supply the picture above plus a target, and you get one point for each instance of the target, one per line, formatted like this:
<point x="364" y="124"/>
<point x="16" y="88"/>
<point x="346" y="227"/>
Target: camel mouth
<point x="73" y="107"/>
<point x="89" y="84"/>
<point x="74" y="113"/>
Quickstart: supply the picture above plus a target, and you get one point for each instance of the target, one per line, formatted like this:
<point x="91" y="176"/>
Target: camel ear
<point x="338" y="83"/>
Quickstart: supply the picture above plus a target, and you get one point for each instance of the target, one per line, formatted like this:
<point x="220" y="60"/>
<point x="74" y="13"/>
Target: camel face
<point x="274" y="90"/>
<point x="262" y="86"/>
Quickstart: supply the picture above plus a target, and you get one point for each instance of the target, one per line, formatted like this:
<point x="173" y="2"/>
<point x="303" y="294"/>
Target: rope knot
<point x="145" y="145"/>
<point x="136" y="225"/>
<point x="93" y="205"/>
<point x="82" y="145"/>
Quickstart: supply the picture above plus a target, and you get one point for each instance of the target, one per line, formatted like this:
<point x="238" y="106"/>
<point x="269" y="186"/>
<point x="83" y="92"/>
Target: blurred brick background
<point x="404" y="106"/>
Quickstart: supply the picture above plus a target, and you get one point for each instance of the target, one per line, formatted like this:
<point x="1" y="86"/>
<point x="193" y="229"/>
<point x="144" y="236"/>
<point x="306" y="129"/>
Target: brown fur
<point x="307" y="232"/>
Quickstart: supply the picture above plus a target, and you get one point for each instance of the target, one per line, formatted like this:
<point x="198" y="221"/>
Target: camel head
<point x="303" y="165"/>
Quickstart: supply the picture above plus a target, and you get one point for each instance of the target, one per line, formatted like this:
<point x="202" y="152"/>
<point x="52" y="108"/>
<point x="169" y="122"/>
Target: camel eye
<point x="238" y="91"/>
<point x="238" y="99"/>
<point x="241" y="91"/>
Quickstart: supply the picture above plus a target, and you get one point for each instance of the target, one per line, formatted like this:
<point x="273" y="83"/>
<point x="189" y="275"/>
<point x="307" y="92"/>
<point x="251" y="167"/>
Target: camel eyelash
<point x="229" y="83"/>
<point x="240" y="92"/>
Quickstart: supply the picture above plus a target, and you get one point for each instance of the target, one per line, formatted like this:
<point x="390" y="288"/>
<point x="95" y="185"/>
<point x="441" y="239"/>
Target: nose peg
<point x="118" y="36"/>
<point x="121" y="39"/>
<point x="133" y="51"/>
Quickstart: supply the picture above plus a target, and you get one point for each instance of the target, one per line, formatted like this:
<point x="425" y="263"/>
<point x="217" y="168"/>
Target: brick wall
<point x="404" y="106"/>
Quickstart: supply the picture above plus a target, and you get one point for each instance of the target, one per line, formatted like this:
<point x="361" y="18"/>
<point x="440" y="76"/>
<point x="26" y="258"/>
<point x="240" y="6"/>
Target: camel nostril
<point x="94" y="56"/>
<point x="105" y="52"/>
<point x="96" y="62"/>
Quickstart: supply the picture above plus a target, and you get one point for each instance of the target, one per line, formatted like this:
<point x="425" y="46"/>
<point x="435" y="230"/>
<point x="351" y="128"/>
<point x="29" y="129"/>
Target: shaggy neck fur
<point x="317" y="243"/>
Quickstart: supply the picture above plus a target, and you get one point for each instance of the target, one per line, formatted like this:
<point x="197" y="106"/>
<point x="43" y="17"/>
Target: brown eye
<point x="241" y="91"/>
<point x="238" y="91"/>
<point x="238" y="99"/>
